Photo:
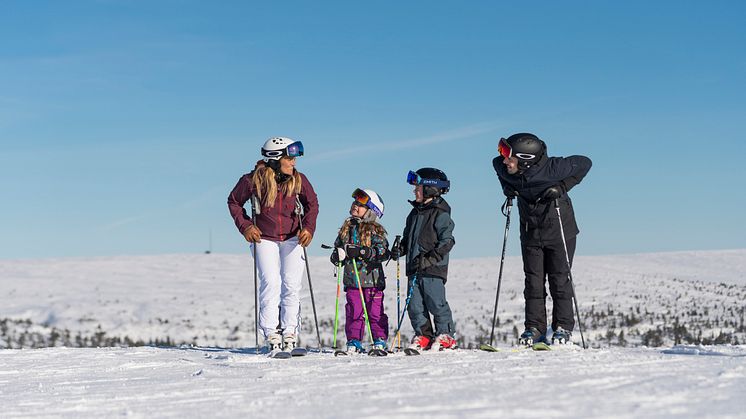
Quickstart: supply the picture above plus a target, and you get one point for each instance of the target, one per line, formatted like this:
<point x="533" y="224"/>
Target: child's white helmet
<point x="371" y="200"/>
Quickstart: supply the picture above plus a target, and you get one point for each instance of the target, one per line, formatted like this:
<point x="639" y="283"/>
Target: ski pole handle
<point x="256" y="206"/>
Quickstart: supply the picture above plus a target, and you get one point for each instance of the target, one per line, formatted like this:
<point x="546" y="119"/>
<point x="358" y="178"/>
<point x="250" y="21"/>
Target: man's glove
<point x="362" y="252"/>
<point x="553" y="192"/>
<point x="509" y="191"/>
<point x="338" y="255"/>
<point x="304" y="237"/>
<point x="253" y="234"/>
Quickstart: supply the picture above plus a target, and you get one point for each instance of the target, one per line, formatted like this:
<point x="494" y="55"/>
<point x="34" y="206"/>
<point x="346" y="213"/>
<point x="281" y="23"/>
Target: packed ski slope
<point x="206" y="382"/>
<point x="207" y="300"/>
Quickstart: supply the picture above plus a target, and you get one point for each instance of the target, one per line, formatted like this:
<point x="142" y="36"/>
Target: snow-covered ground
<point x="154" y="382"/>
<point x="208" y="300"/>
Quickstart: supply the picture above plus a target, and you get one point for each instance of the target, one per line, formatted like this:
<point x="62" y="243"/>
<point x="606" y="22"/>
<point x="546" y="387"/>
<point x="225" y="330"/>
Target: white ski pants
<point x="280" y="266"/>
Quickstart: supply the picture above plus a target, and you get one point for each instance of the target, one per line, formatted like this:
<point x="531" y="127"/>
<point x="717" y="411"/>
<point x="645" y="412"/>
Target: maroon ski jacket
<point x="280" y="222"/>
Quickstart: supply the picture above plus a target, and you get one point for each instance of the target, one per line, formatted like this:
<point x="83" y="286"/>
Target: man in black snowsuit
<point x="538" y="181"/>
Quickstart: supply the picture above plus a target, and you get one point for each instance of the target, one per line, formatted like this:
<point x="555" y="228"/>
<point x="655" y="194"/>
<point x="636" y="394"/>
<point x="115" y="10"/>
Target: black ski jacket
<point x="538" y="219"/>
<point x="429" y="232"/>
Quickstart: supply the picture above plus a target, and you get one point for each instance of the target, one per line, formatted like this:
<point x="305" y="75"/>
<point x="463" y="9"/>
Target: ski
<point x="488" y="348"/>
<point x="278" y="354"/>
<point x="377" y="352"/>
<point x="340" y="353"/>
<point x="299" y="352"/>
<point x="411" y="352"/>
<point x="541" y="346"/>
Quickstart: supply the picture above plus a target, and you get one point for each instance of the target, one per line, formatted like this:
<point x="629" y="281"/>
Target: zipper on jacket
<point x="279" y="217"/>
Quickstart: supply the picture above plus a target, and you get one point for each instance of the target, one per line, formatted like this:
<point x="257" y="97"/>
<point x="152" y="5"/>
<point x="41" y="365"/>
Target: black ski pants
<point x="547" y="262"/>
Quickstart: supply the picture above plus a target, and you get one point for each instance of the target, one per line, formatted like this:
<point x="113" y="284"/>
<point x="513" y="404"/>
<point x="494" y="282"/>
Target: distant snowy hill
<point x="207" y="300"/>
<point x="652" y="299"/>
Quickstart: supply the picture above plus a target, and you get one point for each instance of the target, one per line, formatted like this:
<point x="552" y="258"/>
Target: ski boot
<point x="378" y="348"/>
<point x="288" y="342"/>
<point x="419" y="343"/>
<point x="530" y="336"/>
<point x="380" y="344"/>
<point x="274" y="344"/>
<point x="354" y="345"/>
<point x="444" y="341"/>
<point x="561" y="336"/>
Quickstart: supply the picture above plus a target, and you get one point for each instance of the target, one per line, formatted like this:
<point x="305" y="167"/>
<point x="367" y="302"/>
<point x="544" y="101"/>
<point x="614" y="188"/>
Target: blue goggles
<point x="294" y="150"/>
<point x="414" y="179"/>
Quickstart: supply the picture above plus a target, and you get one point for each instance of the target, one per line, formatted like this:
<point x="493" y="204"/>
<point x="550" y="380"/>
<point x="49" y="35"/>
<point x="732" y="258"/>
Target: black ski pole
<point x="569" y="271"/>
<point x="299" y="212"/>
<point x="506" y="206"/>
<point x="256" y="208"/>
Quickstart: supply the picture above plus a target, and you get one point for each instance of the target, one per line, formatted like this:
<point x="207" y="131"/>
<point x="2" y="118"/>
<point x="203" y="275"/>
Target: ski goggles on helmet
<point x="292" y="150"/>
<point x="414" y="179"/>
<point x="506" y="151"/>
<point x="363" y="199"/>
<point x="504" y="148"/>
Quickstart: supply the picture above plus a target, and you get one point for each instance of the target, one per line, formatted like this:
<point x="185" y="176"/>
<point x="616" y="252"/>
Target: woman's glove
<point x="253" y="234"/>
<point x="305" y="237"/>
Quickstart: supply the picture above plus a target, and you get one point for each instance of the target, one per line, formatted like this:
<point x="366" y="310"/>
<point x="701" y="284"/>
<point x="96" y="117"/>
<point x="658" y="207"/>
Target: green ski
<point x="541" y="346"/>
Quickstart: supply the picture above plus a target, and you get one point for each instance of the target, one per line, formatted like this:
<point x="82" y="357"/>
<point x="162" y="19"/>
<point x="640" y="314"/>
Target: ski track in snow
<point x="214" y="382"/>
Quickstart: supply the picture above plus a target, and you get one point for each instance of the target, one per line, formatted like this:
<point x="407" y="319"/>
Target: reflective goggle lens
<point x="295" y="149"/>
<point x="413" y="178"/>
<point x="504" y="149"/>
<point x="361" y="197"/>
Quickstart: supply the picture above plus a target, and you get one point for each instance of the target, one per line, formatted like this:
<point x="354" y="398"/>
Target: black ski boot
<point x="530" y="336"/>
<point x="561" y="336"/>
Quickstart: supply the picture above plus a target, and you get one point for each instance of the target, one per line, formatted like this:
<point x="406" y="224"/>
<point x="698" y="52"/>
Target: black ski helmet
<point x="527" y="148"/>
<point x="440" y="188"/>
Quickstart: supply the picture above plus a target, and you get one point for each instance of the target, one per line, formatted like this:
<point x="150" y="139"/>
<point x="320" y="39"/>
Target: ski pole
<point x="255" y="209"/>
<point x="299" y="211"/>
<point x="362" y="299"/>
<point x="336" y="303"/>
<point x="397" y="241"/>
<point x="506" y="206"/>
<point x="406" y="304"/>
<point x="569" y="271"/>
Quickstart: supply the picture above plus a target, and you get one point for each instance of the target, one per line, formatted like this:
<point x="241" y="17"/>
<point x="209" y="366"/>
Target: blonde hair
<point x="366" y="229"/>
<point x="266" y="188"/>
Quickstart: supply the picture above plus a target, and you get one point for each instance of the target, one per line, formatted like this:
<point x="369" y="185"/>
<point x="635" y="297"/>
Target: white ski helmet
<point x="277" y="147"/>
<point x="372" y="201"/>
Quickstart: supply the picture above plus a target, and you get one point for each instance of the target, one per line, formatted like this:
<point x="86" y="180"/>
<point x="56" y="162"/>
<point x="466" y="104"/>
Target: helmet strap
<point x="369" y="216"/>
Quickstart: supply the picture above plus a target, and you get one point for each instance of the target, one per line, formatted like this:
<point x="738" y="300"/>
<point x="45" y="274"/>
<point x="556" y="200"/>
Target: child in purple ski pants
<point x="361" y="248"/>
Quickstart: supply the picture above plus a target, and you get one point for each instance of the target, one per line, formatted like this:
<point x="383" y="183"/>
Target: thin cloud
<point x="381" y="147"/>
<point x="124" y="221"/>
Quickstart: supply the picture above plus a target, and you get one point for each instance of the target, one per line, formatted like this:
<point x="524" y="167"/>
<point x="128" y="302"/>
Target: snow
<point x="211" y="382"/>
<point x="208" y="300"/>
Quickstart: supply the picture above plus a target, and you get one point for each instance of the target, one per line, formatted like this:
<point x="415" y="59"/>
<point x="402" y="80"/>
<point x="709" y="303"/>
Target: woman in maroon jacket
<point x="277" y="235"/>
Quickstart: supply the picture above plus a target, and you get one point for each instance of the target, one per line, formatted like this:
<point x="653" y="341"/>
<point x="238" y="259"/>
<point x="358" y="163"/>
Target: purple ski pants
<point x="355" y="320"/>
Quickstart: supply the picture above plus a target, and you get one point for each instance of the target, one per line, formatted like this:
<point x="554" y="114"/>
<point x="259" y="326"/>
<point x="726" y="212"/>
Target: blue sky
<point x="124" y="124"/>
